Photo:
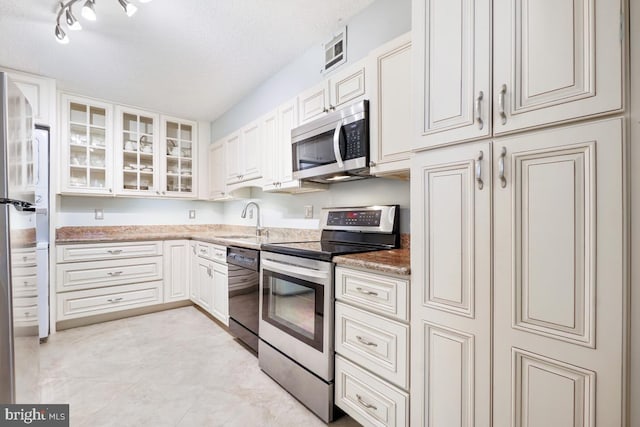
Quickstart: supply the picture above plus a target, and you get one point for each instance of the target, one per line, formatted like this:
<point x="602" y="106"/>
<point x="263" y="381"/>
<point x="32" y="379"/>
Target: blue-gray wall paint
<point x="377" y="24"/>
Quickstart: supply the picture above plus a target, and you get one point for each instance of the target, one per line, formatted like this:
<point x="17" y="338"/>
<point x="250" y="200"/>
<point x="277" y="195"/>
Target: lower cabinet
<point x="210" y="283"/>
<point x="95" y="278"/>
<point x="24" y="288"/>
<point x="372" y="347"/>
<point x="518" y="294"/>
<point x="176" y="264"/>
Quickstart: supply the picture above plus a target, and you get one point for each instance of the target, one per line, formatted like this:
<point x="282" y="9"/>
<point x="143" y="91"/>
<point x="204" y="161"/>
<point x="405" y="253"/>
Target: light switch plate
<point x="308" y="211"/>
<point x="99" y="214"/>
<point x="192" y="214"/>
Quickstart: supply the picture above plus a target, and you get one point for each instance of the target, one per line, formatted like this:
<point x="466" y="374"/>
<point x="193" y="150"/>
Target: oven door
<point x="296" y="310"/>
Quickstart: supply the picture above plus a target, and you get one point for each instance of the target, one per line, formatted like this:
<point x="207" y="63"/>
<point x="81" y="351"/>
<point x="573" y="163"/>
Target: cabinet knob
<point x="332" y="108"/>
<point x="111" y="190"/>
<point x="372" y="164"/>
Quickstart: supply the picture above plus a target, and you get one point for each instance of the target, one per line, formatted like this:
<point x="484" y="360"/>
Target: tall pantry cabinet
<point x="519" y="291"/>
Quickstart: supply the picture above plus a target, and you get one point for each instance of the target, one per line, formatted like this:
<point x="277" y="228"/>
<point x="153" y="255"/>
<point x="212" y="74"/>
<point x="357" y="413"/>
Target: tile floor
<point x="172" y="368"/>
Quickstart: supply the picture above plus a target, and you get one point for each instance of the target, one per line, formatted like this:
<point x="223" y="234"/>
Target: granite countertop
<point x="217" y="234"/>
<point x="395" y="261"/>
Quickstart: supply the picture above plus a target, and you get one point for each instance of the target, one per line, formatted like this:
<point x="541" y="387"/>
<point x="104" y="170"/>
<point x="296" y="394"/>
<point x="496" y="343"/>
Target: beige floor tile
<point x="173" y="368"/>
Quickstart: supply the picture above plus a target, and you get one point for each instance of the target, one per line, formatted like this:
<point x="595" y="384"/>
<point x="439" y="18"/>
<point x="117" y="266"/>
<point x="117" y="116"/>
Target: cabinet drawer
<point x="367" y="399"/>
<point x="104" y="251"/>
<point x="19" y="272"/>
<point x="23" y="257"/>
<point x="374" y="342"/>
<point x="24" y="286"/>
<point x="212" y="252"/>
<point x="25" y="301"/>
<point x="72" y="305"/>
<point x="376" y="292"/>
<point x="26" y="315"/>
<point x="86" y="275"/>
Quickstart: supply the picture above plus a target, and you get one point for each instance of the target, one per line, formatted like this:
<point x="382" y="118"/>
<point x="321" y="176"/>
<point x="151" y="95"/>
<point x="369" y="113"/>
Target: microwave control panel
<point x="355" y="140"/>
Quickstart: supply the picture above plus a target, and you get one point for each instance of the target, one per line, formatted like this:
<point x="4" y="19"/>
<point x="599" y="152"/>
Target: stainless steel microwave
<point x="334" y="147"/>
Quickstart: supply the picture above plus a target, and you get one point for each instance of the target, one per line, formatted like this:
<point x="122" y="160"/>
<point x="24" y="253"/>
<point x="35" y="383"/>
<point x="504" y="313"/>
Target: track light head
<point x="89" y="11"/>
<point x="129" y="8"/>
<point x="61" y="36"/>
<point x="71" y="20"/>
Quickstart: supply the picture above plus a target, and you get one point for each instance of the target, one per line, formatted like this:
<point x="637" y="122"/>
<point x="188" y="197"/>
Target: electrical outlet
<point x="192" y="214"/>
<point x="308" y="211"/>
<point x="98" y="214"/>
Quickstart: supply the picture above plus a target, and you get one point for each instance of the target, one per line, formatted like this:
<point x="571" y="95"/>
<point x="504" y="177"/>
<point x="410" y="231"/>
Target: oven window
<point x="294" y="306"/>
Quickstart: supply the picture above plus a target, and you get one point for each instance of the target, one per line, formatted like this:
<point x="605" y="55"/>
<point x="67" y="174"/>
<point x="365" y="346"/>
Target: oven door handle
<point x="292" y="270"/>
<point x="336" y="146"/>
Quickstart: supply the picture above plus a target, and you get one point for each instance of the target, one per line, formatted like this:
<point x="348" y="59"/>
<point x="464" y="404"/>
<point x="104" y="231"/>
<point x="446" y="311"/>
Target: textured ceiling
<point x="190" y="58"/>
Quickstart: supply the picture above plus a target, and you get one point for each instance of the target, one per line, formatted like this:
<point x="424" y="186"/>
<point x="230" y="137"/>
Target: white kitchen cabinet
<point x="179" y="152"/>
<point x="550" y="65"/>
<point x="533" y="207"/>
<point x="451" y="292"/>
<point x="452" y="65"/>
<point x="391" y="118"/>
<point x="41" y="94"/>
<point x="194" y="278"/>
<point x="24" y="287"/>
<point x="276" y="138"/>
<point x="176" y="270"/>
<point x="555" y="61"/>
<point x="137" y="152"/>
<point x="100" y="278"/>
<point x="217" y="175"/>
<point x="559" y="283"/>
<point x="86" y="146"/>
<point x="210" y="285"/>
<point x="244" y="154"/>
<point x="372" y="346"/>
<point x="20" y="151"/>
<point x="341" y="89"/>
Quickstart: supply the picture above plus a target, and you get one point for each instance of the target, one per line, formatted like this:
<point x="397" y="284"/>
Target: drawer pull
<point x="24" y="258"/>
<point x="114" y="300"/>
<point x="27" y="314"/>
<point x="366" y="342"/>
<point x="365" y="404"/>
<point x="366" y="292"/>
<point x="115" y="251"/>
<point x="114" y="273"/>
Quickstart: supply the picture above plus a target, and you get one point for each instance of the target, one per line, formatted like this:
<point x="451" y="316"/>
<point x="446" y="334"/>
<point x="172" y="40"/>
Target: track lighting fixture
<point x="88" y="13"/>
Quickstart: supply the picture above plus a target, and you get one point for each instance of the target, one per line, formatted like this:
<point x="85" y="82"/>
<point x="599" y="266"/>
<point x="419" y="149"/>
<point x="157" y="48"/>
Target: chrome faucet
<point x="259" y="230"/>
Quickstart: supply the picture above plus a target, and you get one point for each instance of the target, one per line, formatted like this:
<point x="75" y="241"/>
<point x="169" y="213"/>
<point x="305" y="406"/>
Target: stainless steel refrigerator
<point x="23" y="240"/>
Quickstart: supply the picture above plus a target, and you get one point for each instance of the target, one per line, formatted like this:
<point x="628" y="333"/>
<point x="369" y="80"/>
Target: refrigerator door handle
<point x="20" y="205"/>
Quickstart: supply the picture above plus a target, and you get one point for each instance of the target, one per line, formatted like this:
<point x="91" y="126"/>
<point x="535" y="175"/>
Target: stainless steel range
<point x="297" y="300"/>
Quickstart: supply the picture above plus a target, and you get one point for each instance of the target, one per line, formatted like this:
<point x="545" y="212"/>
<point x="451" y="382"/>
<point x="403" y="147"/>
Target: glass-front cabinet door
<point x="137" y="152"/>
<point x="86" y="146"/>
<point x="178" y="154"/>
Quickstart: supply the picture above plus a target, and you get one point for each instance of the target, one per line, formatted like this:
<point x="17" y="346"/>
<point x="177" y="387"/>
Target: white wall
<point x="286" y="210"/>
<point x="79" y="211"/>
<point x="377" y="24"/>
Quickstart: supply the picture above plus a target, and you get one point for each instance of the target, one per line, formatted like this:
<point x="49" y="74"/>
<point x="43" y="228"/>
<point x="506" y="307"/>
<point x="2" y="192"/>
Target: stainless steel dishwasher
<point x="244" y="295"/>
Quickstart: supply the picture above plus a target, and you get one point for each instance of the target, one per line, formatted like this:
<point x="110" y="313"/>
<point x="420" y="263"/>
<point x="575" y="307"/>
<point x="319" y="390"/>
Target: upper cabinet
<point x="86" y="146"/>
<point x="390" y="107"/>
<point x="41" y="94"/>
<point x="342" y="88"/>
<point x="549" y="63"/>
<point x="244" y="154"/>
<point x="177" y="166"/>
<point x="137" y="152"/>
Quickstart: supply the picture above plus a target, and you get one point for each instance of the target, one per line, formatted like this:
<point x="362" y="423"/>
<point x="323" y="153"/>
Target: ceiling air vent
<point x="335" y="50"/>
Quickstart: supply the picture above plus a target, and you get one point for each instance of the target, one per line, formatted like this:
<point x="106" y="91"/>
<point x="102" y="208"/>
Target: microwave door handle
<point x="336" y="145"/>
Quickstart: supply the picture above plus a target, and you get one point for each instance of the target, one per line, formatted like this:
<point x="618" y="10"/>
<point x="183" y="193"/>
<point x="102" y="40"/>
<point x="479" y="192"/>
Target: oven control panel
<point x="361" y="218"/>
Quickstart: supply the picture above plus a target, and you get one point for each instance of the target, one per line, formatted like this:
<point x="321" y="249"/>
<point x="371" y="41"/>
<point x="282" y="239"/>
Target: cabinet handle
<point x="365" y="404"/>
<point x="114" y="273"/>
<point x="365" y="342"/>
<point x="372" y="164"/>
<point x="332" y="108"/>
<point x="158" y="193"/>
<point x="501" y="109"/>
<point x="366" y="292"/>
<point x="111" y="190"/>
<point x="24" y="259"/>
<point x="193" y="248"/>
<point x="479" y="110"/>
<point x="503" y="180"/>
<point x="26" y="284"/>
<point x="479" y="170"/>
<point x="324" y="110"/>
<point x="114" y="300"/>
<point x="27" y="314"/>
<point x="164" y="192"/>
<point x="209" y="272"/>
<point x="115" y="251"/>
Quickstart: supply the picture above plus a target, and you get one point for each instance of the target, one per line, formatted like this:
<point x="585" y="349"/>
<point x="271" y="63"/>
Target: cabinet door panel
<point x="452" y="54"/>
<point x="555" y="64"/>
<point x="313" y="102"/>
<point x="287" y="120"/>
<point x="451" y="286"/>
<point x="559" y="290"/>
<point x="348" y="85"/>
<point x="232" y="155"/>
<point x="220" y="306"/>
<point x="176" y="264"/>
<point x="251" y="154"/>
